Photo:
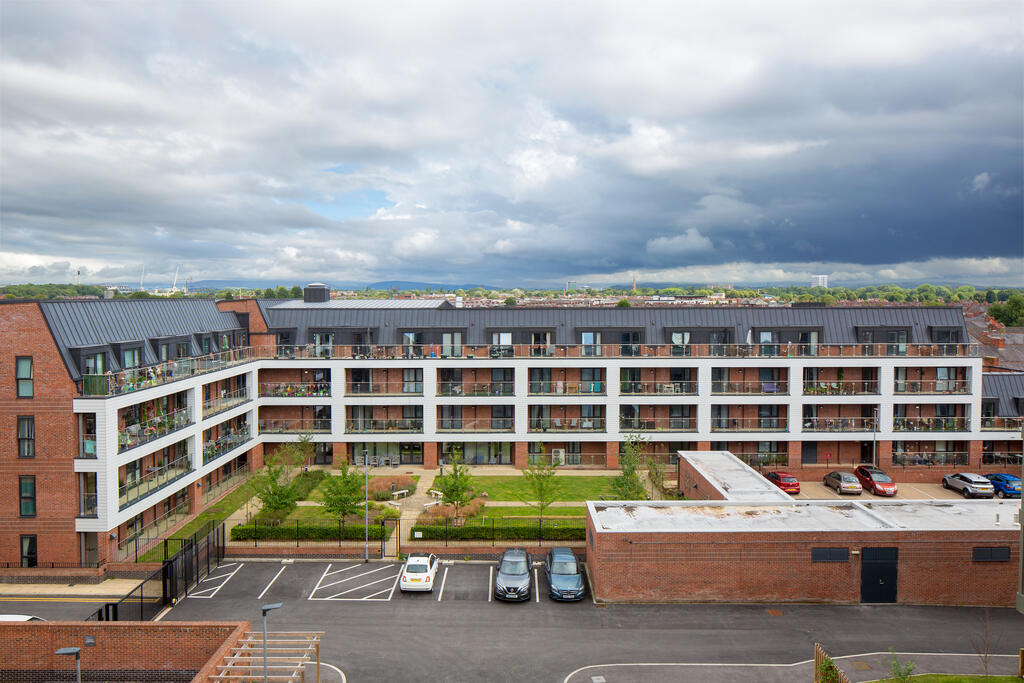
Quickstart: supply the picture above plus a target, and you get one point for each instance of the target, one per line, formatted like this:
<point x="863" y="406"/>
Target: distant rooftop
<point x="344" y="304"/>
<point x="734" y="479"/>
<point x="802" y="516"/>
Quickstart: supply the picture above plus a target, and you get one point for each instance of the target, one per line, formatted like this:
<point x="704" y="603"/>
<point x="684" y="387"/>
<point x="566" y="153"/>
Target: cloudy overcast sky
<point x="512" y="143"/>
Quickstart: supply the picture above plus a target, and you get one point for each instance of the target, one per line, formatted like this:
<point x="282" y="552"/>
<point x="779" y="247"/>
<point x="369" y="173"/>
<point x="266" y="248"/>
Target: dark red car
<point x="875" y="480"/>
<point x="785" y="481"/>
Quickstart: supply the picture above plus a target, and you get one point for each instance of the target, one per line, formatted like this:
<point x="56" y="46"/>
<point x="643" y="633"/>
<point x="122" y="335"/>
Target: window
<point x="896" y="343"/>
<point x="181" y="350"/>
<point x="451" y="344"/>
<point x="131" y="357"/>
<point x="27" y="496"/>
<point x="501" y="417"/>
<point x="412" y="381"/>
<point x="830" y="554"/>
<point x="94" y="364"/>
<point x="29" y="558"/>
<point x="451" y="417"/>
<point x="23" y="374"/>
<point x="206" y="348"/>
<point x="629" y="343"/>
<point x="540" y="380"/>
<point x="591" y="342"/>
<point x="540" y="344"/>
<point x="26" y="436"/>
<point x="501" y="345"/>
<point x="680" y="343"/>
<point x="996" y="554"/>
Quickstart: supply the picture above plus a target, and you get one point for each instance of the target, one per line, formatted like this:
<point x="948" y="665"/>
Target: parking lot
<point x="815" y="490"/>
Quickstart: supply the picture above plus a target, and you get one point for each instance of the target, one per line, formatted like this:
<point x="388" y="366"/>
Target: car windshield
<point x="416" y="569"/>
<point x="881" y="478"/>
<point x="789" y="480"/>
<point x="513" y="566"/>
<point x="848" y="478"/>
<point x="564" y="567"/>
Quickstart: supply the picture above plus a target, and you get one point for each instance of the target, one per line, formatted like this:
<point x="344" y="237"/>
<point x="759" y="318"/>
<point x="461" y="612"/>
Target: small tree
<point x="343" y="492"/>
<point x="627" y="485"/>
<point x="655" y="472"/>
<point x="900" y="672"/>
<point x="510" y="301"/>
<point x="623" y="303"/>
<point x="543" y="484"/>
<point x="456" y="484"/>
<point x="274" y="488"/>
<point x="293" y="454"/>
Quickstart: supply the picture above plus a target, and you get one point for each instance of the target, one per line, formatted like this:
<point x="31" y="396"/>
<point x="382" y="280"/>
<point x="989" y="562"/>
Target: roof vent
<point x="316" y="293"/>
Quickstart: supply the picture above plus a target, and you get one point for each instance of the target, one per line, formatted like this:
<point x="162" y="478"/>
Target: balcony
<point x="756" y="388"/>
<point x="560" y="388"/>
<point x="396" y="388"/>
<point x="657" y="388"/>
<point x="149" y="430"/>
<point x="839" y="424"/>
<point x="295" y="389"/>
<point x="154" y="479"/>
<point x="296" y="426"/>
<point x="136" y="379"/>
<point x="400" y="425"/>
<point x="931" y="424"/>
<point x="1002" y="459"/>
<point x="572" y="424"/>
<point x="224" y="402"/>
<point x="930" y="459"/>
<point x="213" y="491"/>
<point x="217" y="447"/>
<point x="749" y="424"/>
<point x="933" y="386"/>
<point x="845" y="388"/>
<point x="489" y="424"/>
<point x="135" y="543"/>
<point x="87" y="505"/>
<point x="475" y="388"/>
<point x="657" y="424"/>
<point x="488" y="351"/>
<point x="1002" y="424"/>
<point x="87" y="447"/>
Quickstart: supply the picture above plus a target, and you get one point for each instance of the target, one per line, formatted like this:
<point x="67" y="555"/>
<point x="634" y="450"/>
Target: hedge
<point x="552" y="531"/>
<point x="306" y="532"/>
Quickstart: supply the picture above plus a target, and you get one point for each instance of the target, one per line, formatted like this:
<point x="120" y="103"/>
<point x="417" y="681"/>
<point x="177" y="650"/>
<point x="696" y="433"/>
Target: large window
<point x="412" y="381"/>
<point x="451" y="344"/>
<point x="29" y="556"/>
<point x="591" y="343"/>
<point x="131" y="356"/>
<point x="991" y="554"/>
<point x="26" y="436"/>
<point x="23" y="374"/>
<point x="27" y="496"/>
<point x="94" y="364"/>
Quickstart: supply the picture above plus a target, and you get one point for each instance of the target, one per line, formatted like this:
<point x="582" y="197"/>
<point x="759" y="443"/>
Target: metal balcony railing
<point x="361" y="426"/>
<point x="844" y="388"/>
<point x="749" y="424"/>
<point x="931" y="424"/>
<point x="751" y="387"/>
<point x="143" y="536"/>
<point x="396" y="388"/>
<point x="295" y="426"/>
<point x="475" y="388"/>
<point x="930" y="459"/>
<point x="567" y="424"/>
<point x="226" y="401"/>
<point x="932" y="386"/>
<point x="1002" y="459"/>
<point x="216" y="447"/>
<point x="489" y="424"/>
<point x="657" y="424"/>
<point x="148" y="430"/>
<point x="224" y="483"/>
<point x="87" y="505"/>
<point x="136" y="379"/>
<point x="839" y="424"/>
<point x="295" y="389"/>
<point x="154" y="479"/>
<point x="648" y="388"/>
<point x="546" y="388"/>
<point x="1002" y="424"/>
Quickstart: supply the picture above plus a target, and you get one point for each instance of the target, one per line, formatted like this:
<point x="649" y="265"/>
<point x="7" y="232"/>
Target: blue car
<point x="1006" y="485"/>
<point x="565" y="576"/>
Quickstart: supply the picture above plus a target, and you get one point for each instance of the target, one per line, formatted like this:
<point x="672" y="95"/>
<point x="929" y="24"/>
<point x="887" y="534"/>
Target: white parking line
<point x="444" y="578"/>
<point x="281" y="571"/>
<point x="351" y="590"/>
<point x="200" y="594"/>
<point x="490" y="582"/>
<point x="536" y="586"/>
<point x="355" y="576"/>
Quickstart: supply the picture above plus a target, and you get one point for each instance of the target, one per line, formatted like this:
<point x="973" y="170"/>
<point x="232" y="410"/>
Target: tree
<point x="293" y="454"/>
<point x="655" y="472"/>
<point x="510" y="301"/>
<point x="900" y="671"/>
<point x="990" y="296"/>
<point x="627" y="485"/>
<point x="1011" y="313"/>
<point x="455" y="486"/>
<point x="543" y="484"/>
<point x="623" y="303"/>
<point x="295" y="293"/>
<point x="343" y="492"/>
<point x="274" y="488"/>
<point x="268" y="293"/>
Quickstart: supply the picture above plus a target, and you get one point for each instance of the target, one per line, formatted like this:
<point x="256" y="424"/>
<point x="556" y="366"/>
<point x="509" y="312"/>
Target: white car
<point x="969" y="485"/>
<point x="19" y="617"/>
<point x="419" y="573"/>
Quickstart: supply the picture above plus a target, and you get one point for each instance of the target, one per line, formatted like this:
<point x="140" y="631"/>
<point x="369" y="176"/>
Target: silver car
<point x="970" y="485"/>
<point x="843" y="482"/>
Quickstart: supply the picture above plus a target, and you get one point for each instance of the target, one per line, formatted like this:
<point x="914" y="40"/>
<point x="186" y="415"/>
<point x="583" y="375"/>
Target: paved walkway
<point x="111" y="588"/>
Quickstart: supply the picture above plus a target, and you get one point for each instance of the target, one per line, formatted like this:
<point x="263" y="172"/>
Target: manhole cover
<point x="775" y="612"/>
<point x="861" y="666"/>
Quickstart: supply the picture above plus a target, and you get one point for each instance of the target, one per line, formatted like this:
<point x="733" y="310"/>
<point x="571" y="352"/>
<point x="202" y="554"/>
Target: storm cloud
<point x="524" y="143"/>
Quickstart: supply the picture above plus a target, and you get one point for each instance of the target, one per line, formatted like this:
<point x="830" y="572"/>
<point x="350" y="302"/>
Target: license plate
<point x="415" y="580"/>
<point x="511" y="595"/>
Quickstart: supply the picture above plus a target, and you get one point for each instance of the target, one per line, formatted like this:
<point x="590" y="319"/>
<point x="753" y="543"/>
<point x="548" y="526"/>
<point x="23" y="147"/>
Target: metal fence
<point x="316" y="534"/>
<point x="494" y="529"/>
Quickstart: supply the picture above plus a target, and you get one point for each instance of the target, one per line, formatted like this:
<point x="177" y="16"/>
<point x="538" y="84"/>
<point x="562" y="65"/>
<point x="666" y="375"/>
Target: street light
<point x="77" y="652"/>
<point x="874" y="437"/>
<point x="264" y="609"/>
<point x="366" y="507"/>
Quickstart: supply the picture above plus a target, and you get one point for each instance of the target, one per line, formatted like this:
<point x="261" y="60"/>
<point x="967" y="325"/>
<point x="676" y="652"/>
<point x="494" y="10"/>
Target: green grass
<point x="955" y="678"/>
<point x="571" y="488"/>
<point x="527" y="511"/>
<point x="318" y="494"/>
<point x="318" y="513"/>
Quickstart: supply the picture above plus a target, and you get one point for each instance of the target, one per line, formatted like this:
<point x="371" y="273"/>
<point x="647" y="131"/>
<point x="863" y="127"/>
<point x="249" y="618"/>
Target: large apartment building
<point x="126" y="417"/>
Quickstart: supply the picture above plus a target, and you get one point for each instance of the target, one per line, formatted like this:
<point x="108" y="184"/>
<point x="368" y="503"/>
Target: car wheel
<point x="967" y="494"/>
<point x="1000" y="494"/>
<point x="945" y="484"/>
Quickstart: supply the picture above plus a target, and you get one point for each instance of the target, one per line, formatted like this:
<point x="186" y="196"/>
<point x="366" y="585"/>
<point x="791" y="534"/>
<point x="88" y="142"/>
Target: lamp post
<point x="1020" y="519"/>
<point x="366" y="508"/>
<point x="77" y="652"/>
<point x="874" y="437"/>
<point x="264" y="609"/>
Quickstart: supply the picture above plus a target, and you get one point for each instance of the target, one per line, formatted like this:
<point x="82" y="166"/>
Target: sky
<point x="518" y="144"/>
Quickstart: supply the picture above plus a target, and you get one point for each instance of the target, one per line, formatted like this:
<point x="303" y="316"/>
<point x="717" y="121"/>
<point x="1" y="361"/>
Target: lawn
<point x="527" y="511"/>
<point x="954" y="678"/>
<point x="318" y="494"/>
<point x="571" y="488"/>
<point x="316" y="513"/>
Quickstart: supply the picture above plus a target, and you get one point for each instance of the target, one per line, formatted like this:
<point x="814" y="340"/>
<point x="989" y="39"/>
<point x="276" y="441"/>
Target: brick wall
<point x="25" y="333"/>
<point x="695" y="485"/>
<point x="935" y="568"/>
<point x="142" y="650"/>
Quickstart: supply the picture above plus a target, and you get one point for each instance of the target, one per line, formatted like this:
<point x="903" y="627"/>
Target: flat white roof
<point x="802" y="516"/>
<point x="733" y="478"/>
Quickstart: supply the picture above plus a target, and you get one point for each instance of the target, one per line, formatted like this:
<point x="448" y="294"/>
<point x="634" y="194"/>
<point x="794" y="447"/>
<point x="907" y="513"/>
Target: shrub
<point x="306" y="531"/>
<point x="383" y="484"/>
<point x="439" y="513"/>
<point x="389" y="513"/>
<point x="552" y="530"/>
<point x="306" y="482"/>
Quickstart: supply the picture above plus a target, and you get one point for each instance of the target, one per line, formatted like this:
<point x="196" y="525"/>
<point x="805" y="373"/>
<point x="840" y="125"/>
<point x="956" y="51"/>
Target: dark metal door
<point x="878" y="574"/>
<point x="809" y="453"/>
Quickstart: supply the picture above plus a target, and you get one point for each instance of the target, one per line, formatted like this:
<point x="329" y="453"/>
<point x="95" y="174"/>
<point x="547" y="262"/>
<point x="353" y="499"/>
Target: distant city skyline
<point x="517" y="145"/>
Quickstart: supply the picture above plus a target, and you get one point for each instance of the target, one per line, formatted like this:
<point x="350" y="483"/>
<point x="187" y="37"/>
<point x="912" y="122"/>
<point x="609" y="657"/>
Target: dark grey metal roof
<point x="403" y="304"/>
<point x="95" y="324"/>
<point x="837" y="325"/>
<point x="1008" y="390"/>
